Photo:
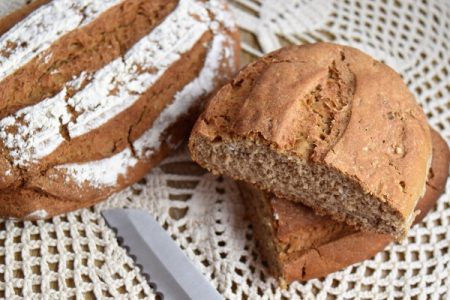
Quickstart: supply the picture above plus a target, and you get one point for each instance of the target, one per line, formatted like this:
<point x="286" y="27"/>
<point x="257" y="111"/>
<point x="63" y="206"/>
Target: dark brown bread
<point x="54" y="183"/>
<point x="82" y="50"/>
<point x="300" y="245"/>
<point x="10" y="20"/>
<point x="325" y="125"/>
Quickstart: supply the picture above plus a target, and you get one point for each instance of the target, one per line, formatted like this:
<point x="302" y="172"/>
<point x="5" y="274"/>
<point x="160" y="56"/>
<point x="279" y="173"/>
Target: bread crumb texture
<point x="300" y="245"/>
<point x="325" y="125"/>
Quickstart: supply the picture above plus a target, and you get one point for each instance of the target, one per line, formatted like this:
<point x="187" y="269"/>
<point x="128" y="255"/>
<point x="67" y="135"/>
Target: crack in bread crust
<point x="177" y="73"/>
<point x="324" y="246"/>
<point x="83" y="50"/>
<point x="324" y="106"/>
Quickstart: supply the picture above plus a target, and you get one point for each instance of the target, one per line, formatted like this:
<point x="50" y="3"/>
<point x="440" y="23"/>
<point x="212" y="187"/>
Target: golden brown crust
<point x="331" y="257"/>
<point x="83" y="50"/>
<point x="368" y="127"/>
<point x="325" y="253"/>
<point x="387" y="134"/>
<point x="56" y="198"/>
<point x="8" y="21"/>
<point x="44" y="187"/>
<point x="437" y="176"/>
<point x="121" y="131"/>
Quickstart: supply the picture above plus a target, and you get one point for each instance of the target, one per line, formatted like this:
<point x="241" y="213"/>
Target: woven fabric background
<point x="76" y="256"/>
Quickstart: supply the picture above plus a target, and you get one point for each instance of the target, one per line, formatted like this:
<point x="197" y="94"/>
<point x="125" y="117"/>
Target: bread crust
<point x="373" y="132"/>
<point x="46" y="186"/>
<point x="325" y="253"/>
<point x="85" y="49"/>
<point x="8" y="21"/>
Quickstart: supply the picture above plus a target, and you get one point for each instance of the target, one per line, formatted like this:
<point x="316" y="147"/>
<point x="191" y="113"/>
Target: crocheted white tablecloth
<point x="77" y="256"/>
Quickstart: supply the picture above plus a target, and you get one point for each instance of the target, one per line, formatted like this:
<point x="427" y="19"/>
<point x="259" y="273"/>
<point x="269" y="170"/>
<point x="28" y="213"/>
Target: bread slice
<point x="96" y="92"/>
<point x="300" y="245"/>
<point x="325" y="125"/>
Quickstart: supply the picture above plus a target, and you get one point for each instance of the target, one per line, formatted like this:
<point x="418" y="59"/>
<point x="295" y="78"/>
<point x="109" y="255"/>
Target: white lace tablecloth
<point x="77" y="256"/>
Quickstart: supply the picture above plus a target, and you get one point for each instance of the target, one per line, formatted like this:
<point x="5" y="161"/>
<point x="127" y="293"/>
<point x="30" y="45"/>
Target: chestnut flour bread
<point x="300" y="245"/>
<point x="325" y="125"/>
<point x="95" y="92"/>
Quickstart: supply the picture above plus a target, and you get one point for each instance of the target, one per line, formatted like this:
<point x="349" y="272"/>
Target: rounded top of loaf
<point x="332" y="239"/>
<point x="95" y="93"/>
<point x="332" y="105"/>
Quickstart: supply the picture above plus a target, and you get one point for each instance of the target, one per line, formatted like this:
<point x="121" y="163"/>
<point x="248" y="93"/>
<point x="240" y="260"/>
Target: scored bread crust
<point x="130" y="142"/>
<point x="8" y="21"/>
<point x="372" y="131"/>
<point x="306" y="245"/>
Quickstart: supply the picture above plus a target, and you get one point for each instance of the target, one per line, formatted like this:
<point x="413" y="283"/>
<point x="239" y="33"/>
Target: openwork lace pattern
<point x="77" y="256"/>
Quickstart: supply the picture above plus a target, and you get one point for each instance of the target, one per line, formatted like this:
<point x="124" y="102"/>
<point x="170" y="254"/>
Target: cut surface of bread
<point x="96" y="92"/>
<point x="300" y="245"/>
<point x="325" y="125"/>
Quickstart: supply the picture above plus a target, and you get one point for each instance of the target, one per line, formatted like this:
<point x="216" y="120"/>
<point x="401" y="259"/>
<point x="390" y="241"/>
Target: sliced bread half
<point x="325" y="125"/>
<point x="297" y="244"/>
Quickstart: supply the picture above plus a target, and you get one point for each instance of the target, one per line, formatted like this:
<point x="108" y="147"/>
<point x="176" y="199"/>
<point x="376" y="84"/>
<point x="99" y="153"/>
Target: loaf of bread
<point x="300" y="245"/>
<point x="95" y="92"/>
<point x="325" y="125"/>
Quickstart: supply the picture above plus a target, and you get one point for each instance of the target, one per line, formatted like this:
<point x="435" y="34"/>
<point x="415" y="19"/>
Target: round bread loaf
<point x="325" y="125"/>
<point x="96" y="92"/>
<point x="300" y="245"/>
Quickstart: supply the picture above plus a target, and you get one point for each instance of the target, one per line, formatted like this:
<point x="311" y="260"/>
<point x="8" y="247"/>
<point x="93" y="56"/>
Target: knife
<point x="158" y="255"/>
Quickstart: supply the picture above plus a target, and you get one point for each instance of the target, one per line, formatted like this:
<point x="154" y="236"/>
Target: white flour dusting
<point x="43" y="27"/>
<point x="40" y="136"/>
<point x="105" y="172"/>
<point x="95" y="104"/>
<point x="37" y="214"/>
<point x="34" y="131"/>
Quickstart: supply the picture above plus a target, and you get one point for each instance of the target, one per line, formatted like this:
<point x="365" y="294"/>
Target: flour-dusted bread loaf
<point x="300" y="245"/>
<point x="95" y="92"/>
<point x="325" y="125"/>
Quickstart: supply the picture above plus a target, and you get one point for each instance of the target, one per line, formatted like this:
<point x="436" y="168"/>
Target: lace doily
<point x="77" y="255"/>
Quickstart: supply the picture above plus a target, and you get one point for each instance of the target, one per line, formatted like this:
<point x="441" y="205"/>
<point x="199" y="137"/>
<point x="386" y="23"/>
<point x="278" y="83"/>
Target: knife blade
<point x="158" y="255"/>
